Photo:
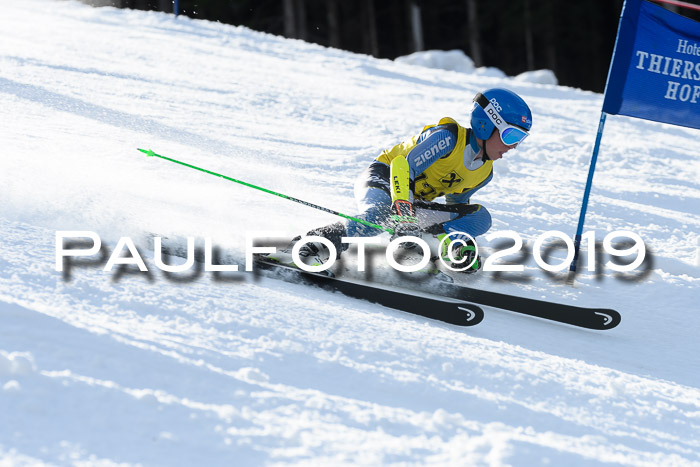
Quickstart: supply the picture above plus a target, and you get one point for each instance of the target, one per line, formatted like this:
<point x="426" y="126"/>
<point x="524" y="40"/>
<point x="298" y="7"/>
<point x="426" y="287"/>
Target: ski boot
<point x="311" y="254"/>
<point x="462" y="255"/>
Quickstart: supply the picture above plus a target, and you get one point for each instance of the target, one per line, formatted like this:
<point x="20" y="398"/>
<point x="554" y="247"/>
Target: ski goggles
<point x="510" y="134"/>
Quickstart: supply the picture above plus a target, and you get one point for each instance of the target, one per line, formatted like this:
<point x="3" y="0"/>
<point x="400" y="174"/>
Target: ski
<point x="451" y="303"/>
<point x="590" y="318"/>
<point x="445" y="309"/>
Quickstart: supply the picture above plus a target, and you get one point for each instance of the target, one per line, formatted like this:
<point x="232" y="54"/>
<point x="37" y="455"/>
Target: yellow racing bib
<point x="446" y="175"/>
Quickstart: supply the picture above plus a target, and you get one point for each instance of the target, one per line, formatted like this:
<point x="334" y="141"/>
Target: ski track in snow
<point x="149" y="369"/>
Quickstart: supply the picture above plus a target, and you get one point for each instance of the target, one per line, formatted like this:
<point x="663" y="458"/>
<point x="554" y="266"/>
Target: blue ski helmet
<point x="512" y="108"/>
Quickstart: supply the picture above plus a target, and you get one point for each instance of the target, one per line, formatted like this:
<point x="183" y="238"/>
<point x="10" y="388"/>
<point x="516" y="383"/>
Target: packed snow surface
<point x="451" y="60"/>
<point x="538" y="76"/>
<point x="195" y="369"/>
<point x="457" y="60"/>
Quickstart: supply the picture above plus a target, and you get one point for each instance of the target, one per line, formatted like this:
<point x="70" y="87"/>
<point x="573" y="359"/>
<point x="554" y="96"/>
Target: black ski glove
<point x="404" y="220"/>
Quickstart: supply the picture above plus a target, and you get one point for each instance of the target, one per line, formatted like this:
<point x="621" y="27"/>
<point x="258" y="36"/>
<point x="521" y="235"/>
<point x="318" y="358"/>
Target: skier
<point x="444" y="160"/>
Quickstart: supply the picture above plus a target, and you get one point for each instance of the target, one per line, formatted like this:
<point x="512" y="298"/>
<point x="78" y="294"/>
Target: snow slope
<point x="107" y="368"/>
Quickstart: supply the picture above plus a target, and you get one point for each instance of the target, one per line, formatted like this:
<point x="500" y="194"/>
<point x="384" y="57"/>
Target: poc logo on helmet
<point x="494" y="102"/>
<point x="494" y="116"/>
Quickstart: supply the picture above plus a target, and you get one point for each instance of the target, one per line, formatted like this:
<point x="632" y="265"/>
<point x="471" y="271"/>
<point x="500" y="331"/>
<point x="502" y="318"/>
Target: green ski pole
<point x="150" y="153"/>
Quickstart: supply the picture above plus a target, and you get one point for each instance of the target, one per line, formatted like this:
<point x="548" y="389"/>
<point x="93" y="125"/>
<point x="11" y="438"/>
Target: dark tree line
<point x="574" y="38"/>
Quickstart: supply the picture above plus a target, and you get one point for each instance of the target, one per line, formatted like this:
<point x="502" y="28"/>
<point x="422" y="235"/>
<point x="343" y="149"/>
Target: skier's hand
<point x="407" y="229"/>
<point x="404" y="221"/>
<point x="402" y="213"/>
